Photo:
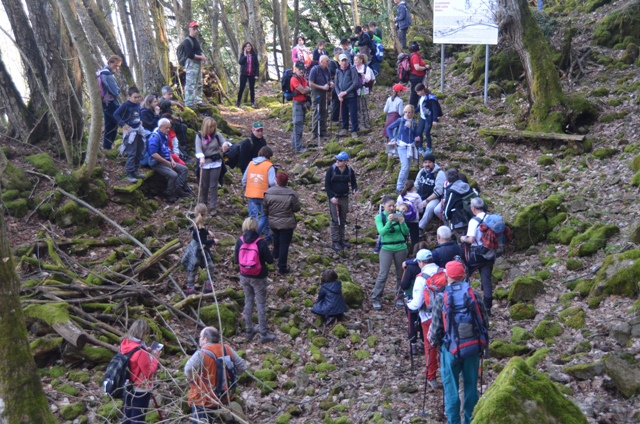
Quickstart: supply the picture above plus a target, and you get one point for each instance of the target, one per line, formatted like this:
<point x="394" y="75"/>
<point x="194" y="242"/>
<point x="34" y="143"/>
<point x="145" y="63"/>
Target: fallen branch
<point x="166" y="250"/>
<point x="533" y="135"/>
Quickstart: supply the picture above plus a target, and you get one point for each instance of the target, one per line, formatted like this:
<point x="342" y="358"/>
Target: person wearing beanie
<point x="393" y="108"/>
<point x="430" y="185"/>
<point x="280" y="205"/>
<point x="337" y="180"/>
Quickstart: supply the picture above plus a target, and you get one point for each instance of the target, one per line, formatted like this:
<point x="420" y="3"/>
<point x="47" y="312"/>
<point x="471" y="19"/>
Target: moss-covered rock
<point x="616" y="27"/>
<point x="585" y="371"/>
<point x="361" y="354"/>
<point x="340" y="332"/>
<point x="605" y="153"/>
<point x="265" y="375"/>
<point x="574" y="264"/>
<point x="318" y="222"/>
<point x="525" y="289"/>
<point x="501" y="349"/>
<point x="520" y="335"/>
<point x="522" y="311"/>
<point x="546" y="329"/>
<point x="43" y="163"/>
<point x="228" y="315"/>
<point x="624" y="370"/>
<point x="14" y="179"/>
<point x="592" y="240"/>
<point x="17" y="208"/>
<point x="619" y="275"/>
<point x="520" y="394"/>
<point x="532" y="223"/>
<point x="573" y="317"/>
<point x="545" y="160"/>
<point x="71" y="214"/>
<point x="72" y="411"/>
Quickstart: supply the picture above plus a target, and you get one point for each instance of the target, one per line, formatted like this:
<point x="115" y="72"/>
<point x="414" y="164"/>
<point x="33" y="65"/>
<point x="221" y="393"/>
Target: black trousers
<point x="252" y="86"/>
<point x="281" y="242"/>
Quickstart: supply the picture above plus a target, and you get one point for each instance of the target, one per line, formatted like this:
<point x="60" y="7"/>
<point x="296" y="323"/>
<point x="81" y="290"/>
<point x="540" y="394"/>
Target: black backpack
<point x="225" y="384"/>
<point x="287" y="94"/>
<point x="117" y="374"/>
<point x="181" y="52"/>
<point x="232" y="156"/>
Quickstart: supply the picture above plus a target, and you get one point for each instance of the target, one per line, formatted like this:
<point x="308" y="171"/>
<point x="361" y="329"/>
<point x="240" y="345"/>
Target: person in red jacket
<point x="142" y="365"/>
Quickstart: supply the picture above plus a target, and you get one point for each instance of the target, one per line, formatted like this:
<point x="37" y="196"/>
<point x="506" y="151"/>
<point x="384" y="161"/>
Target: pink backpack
<point x="249" y="258"/>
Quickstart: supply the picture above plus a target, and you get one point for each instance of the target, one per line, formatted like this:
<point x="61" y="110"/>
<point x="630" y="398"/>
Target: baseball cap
<point x="455" y="270"/>
<point x="399" y="87"/>
<point x="342" y="156"/>
<point x="299" y="65"/>
<point x="429" y="157"/>
<point x="193" y="24"/>
<point x="424" y="254"/>
<point x="257" y="125"/>
<point x="343" y="57"/>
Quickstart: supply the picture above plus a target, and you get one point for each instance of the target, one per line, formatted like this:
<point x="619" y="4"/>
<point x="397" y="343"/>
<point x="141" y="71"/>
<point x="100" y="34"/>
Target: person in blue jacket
<point x="128" y="117"/>
<point x="109" y="91"/>
<point x="428" y="114"/>
<point x="330" y="304"/>
<point x="403" y="21"/>
<point x="163" y="163"/>
<point x="403" y="133"/>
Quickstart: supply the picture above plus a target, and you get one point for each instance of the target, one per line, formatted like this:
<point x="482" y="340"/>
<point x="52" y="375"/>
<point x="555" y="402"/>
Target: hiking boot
<point x="132" y="178"/>
<point x="250" y="334"/>
<point x="337" y="246"/>
<point x="354" y="135"/>
<point x="330" y="321"/>
<point x="426" y="151"/>
<point x="140" y="175"/>
<point x="208" y="287"/>
<point x="375" y="303"/>
<point x="300" y="151"/>
<point x="266" y="338"/>
<point x="433" y="384"/>
<point x="182" y="194"/>
<point x="284" y="271"/>
<point x="171" y="199"/>
<point x="237" y="104"/>
<point x="345" y="244"/>
<point x="343" y="133"/>
<point x="253" y="105"/>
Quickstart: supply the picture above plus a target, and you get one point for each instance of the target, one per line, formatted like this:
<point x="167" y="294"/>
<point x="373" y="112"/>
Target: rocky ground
<point x="557" y="305"/>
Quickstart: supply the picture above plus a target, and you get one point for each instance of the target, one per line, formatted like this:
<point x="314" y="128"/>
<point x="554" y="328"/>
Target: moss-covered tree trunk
<point x="22" y="399"/>
<point x="518" y="25"/>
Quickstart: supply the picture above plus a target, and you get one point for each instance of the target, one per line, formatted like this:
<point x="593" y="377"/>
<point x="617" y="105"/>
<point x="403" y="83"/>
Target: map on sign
<point x="465" y="22"/>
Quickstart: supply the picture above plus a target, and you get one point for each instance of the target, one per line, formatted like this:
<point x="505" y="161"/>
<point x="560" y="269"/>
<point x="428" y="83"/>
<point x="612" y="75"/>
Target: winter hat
<point x="342" y="156"/>
<point x="424" y="255"/>
<point x="299" y="65"/>
<point x="282" y="179"/>
<point x="399" y="87"/>
<point x="455" y="270"/>
<point x="429" y="157"/>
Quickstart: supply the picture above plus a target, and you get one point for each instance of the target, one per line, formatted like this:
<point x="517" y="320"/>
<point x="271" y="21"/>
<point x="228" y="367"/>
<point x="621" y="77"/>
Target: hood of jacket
<point x="249" y="236"/>
<point x="128" y="345"/>
<point x="333" y="287"/>
<point x="459" y="187"/>
<point x="436" y="168"/>
<point x="258" y="160"/>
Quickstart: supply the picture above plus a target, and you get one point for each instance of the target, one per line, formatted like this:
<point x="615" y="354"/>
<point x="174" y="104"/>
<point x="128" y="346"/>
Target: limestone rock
<point x="585" y="371"/>
<point x="624" y="370"/>
<point x="621" y="332"/>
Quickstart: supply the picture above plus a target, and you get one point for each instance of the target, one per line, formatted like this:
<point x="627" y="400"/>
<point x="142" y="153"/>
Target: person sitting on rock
<point x="330" y="304"/>
<point x="176" y="174"/>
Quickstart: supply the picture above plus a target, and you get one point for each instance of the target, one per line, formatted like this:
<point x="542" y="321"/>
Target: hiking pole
<point x="318" y="118"/>
<point x="155" y="402"/>
<point x="357" y="227"/>
<point x="423" y="414"/>
<point x="481" y="373"/>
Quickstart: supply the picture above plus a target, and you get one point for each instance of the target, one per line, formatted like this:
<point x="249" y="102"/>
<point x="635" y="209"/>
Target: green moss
<point x="635" y="165"/>
<point x="592" y="240"/>
<point x="502" y="170"/>
<point x="265" y="375"/>
<point x="617" y="26"/>
<point x="605" y="153"/>
<point x="79" y="376"/>
<point x="71" y="214"/>
<point x="546" y="329"/>
<point x="284" y="418"/>
<point x="599" y="92"/>
<point x="532" y="223"/>
<point x="72" y="411"/>
<point x="500" y="349"/>
<point x="635" y="181"/>
<point x="520" y="335"/>
<point x="353" y="293"/>
<point x="228" y="315"/>
<point x="624" y="282"/>
<point x="325" y="367"/>
<point x="574" y="264"/>
<point x="339" y="331"/>
<point x="522" y="311"/>
<point x="320" y="341"/>
<point x="68" y="389"/>
<point x="361" y="354"/>
<point x="10" y="195"/>
<point x="522" y="395"/>
<point x="17" y="208"/>
<point x="43" y="163"/>
<point x="538" y="356"/>
<point x="525" y="289"/>
<point x="318" y="222"/>
<point x="584" y="287"/>
<point x="98" y="355"/>
<point x="14" y="179"/>
<point x="51" y="313"/>
<point x="573" y="317"/>
<point x="500" y="293"/>
<point x="545" y="160"/>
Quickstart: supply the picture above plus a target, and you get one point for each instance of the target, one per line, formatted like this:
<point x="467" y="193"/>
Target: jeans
<point x="193" y="275"/>
<point x="176" y="177"/>
<point x="209" y="187"/>
<point x="375" y="65"/>
<point x="424" y="129"/>
<point x="338" y="213"/>
<point x="433" y="209"/>
<point x="402" y="35"/>
<point x="404" y="168"/>
<point x="135" y="405"/>
<point x="256" y="209"/>
<point x="281" y="242"/>
<point x="133" y="151"/>
<point x="297" y="115"/>
<point x="386" y="257"/>
<point x="486" y="268"/>
<point x="110" y="124"/>
<point x="450" y="368"/>
<point x="252" y="87"/>
<point x="203" y="415"/>
<point x="350" y="109"/>
<point x="255" y="289"/>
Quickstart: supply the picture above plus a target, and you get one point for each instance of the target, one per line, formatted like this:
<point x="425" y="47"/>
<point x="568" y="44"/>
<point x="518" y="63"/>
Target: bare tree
<point x="354" y="11"/>
<point x="216" y="57"/>
<point x="281" y="22"/>
<point x="182" y="11"/>
<point x="152" y="77"/>
<point x="162" y="42"/>
<point x="125" y="23"/>
<point x="258" y="36"/>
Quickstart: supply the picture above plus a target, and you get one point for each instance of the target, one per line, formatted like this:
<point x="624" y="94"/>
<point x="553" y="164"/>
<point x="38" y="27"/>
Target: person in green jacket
<point x="393" y="232"/>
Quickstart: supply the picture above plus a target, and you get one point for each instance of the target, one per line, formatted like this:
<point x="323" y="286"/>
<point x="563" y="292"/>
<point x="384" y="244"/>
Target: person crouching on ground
<point x="330" y="304"/>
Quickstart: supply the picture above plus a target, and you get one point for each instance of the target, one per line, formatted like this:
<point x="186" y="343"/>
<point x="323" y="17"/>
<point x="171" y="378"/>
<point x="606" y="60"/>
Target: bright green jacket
<point x="393" y="234"/>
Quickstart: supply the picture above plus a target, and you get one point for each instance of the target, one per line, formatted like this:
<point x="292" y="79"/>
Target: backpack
<point x="232" y="157"/>
<point x="466" y="204"/>
<point x="369" y="84"/>
<point x="359" y="83"/>
<point x="404" y="67"/>
<point x="225" y="384"/>
<point x="249" y="258"/>
<point x="412" y="213"/>
<point x="495" y="234"/>
<point x="287" y="94"/>
<point x="116" y="376"/>
<point x="103" y="90"/>
<point x="181" y="52"/>
<point x="433" y="285"/>
<point x="465" y="331"/>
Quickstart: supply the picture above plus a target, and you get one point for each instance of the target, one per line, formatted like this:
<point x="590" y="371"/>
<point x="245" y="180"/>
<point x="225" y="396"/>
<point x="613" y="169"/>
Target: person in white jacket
<point x="394" y="108"/>
<point x="368" y="78"/>
<point x="425" y="261"/>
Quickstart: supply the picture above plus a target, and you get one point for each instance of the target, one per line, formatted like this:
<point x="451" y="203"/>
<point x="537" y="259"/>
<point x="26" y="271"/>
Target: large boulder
<point x="522" y="395"/>
<point x="624" y="370"/>
<point x="353" y="294"/>
<point x="532" y="223"/>
<point x="525" y="289"/>
<point x="619" y="275"/>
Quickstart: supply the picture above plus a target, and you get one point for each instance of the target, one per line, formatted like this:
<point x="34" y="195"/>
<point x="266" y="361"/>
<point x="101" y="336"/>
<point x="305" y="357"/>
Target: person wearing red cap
<point x="193" y="67"/>
<point x="393" y="108"/>
<point x="280" y="204"/>
<point x="458" y="291"/>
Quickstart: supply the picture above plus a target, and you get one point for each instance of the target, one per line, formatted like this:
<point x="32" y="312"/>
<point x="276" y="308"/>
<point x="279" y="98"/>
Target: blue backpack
<point x="466" y="332"/>
<point x="379" y="50"/>
<point x="287" y="94"/>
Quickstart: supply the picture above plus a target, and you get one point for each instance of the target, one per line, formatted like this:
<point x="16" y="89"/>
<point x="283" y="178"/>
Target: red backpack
<point x="404" y="67"/>
<point x="249" y="258"/>
<point x="434" y="285"/>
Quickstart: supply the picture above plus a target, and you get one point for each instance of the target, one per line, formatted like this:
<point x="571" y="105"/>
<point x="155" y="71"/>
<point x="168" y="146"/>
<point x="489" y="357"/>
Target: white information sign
<point x="465" y="22"/>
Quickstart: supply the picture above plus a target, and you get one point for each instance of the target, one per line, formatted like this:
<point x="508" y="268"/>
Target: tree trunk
<point x="216" y="57"/>
<point x="281" y="20"/>
<point x="354" y="11"/>
<point x="162" y="43"/>
<point x="257" y="34"/>
<point x="21" y="391"/>
<point x="423" y="9"/>
<point x="517" y="24"/>
<point x="182" y="11"/>
<point x="296" y="19"/>
<point x="126" y="24"/>
<point x="228" y="29"/>
<point x="97" y="45"/>
<point x="392" y="25"/>
<point x="152" y="78"/>
<point x="105" y="9"/>
<point x="244" y="20"/>
<point x="20" y="119"/>
<point x="88" y="66"/>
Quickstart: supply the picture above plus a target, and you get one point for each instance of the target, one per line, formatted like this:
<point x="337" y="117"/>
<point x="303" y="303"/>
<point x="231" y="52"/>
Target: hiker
<point x="166" y="104"/>
<point x="451" y="366"/>
<point x="172" y="141"/>
<point x="417" y="72"/>
<point x="252" y="256"/>
<point x="176" y="174"/>
<point x="250" y="147"/>
<point x="249" y="71"/>
<point x="368" y="78"/>
<point x="193" y="67"/>
<point x="150" y="112"/>
<point x="411" y="271"/>
<point x="403" y="21"/>
<point x="128" y="117"/>
<point x="339" y="181"/>
<point x="201" y="371"/>
<point x="477" y="262"/>
<point x="453" y="206"/>
<point x="301" y="102"/>
<point x="109" y="91"/>
<point x="210" y="149"/>
<point x="375" y="30"/>
<point x="447" y="249"/>
<point x="347" y="50"/>
<point x="300" y="53"/>
<point x="319" y="51"/>
<point x="403" y="139"/>
<point x="198" y="254"/>
<point x="335" y="103"/>
<point x="393" y="232"/>
<point x="394" y="108"/>
<point x="330" y="305"/>
<point x="424" y="259"/>
<point x="280" y="205"/>
<point x="321" y="84"/>
<point x="428" y="112"/>
<point x="410" y="196"/>
<point x="345" y="87"/>
<point x="363" y="43"/>
<point x="259" y="176"/>
<point x="430" y="184"/>
<point x="375" y="40"/>
<point x="143" y="364"/>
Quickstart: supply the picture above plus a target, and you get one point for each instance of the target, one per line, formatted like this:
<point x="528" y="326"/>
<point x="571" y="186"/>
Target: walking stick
<point x="424" y="395"/>
<point x="357" y="227"/>
<point x="318" y="118"/>
<point x="157" y="407"/>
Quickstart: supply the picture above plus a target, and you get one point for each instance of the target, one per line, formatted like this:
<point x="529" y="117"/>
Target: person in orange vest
<point x="258" y="177"/>
<point x="201" y="370"/>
